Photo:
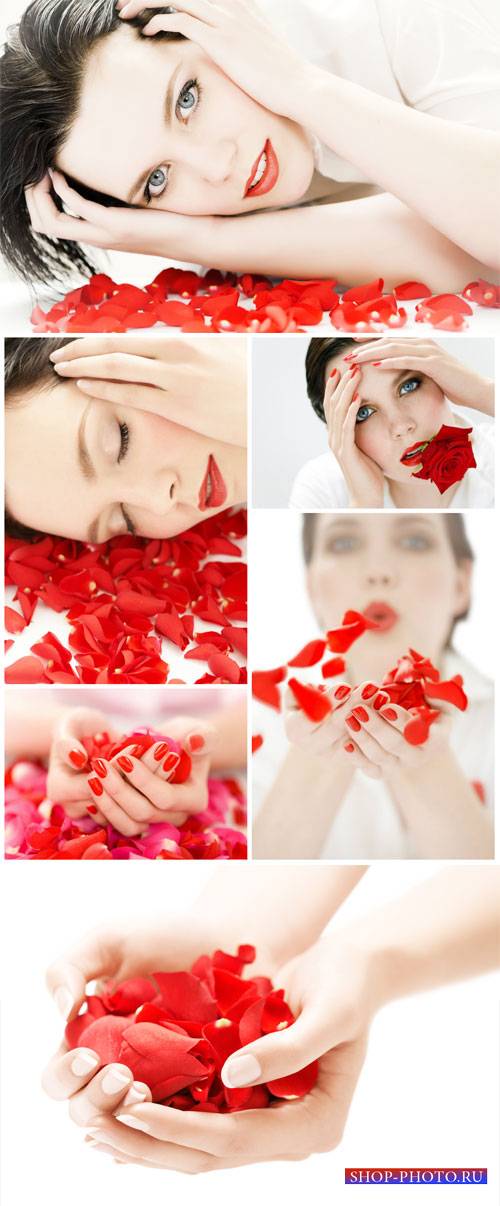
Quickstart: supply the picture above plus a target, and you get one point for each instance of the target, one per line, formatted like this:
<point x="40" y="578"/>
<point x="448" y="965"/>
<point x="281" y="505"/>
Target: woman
<point x="352" y="786"/>
<point x="380" y="399"/>
<point x="110" y="436"/>
<point x="210" y="111"/>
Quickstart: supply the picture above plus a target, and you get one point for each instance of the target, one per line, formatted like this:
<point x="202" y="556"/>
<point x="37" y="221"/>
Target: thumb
<point x="67" y="978"/>
<point x="197" y="737"/>
<point x="281" y="1053"/>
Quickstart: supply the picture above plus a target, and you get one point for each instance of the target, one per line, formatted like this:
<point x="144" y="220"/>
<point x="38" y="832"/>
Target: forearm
<point x="352" y="241"/>
<point x="442" y="811"/>
<point x="445" y="929"/>
<point x="447" y="172"/>
<point x="281" y="909"/>
<point x="231" y="737"/>
<point x="482" y="397"/>
<point x="29" y="729"/>
<point x="298" y="812"/>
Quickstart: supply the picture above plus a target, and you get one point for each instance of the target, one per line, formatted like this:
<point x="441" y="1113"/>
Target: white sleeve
<point x="445" y="55"/>
<point x="319" y="486"/>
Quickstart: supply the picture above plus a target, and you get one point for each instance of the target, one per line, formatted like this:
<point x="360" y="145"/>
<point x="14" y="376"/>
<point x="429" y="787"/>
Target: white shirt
<point x="441" y="57"/>
<point x="367" y="825"/>
<point x="320" y="484"/>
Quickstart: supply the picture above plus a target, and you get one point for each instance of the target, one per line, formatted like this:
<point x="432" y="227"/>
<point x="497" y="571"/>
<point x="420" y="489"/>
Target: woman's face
<point x="400" y="569"/>
<point x="397" y="409"/>
<point x="89" y="470"/>
<point x="160" y="125"/>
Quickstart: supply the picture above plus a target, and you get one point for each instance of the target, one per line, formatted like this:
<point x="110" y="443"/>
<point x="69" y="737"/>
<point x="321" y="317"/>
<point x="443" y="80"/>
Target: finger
<point x="371" y="748"/>
<point x="87" y="347"/>
<point x="152" y="789"/>
<point x="72" y="752"/>
<point x="140" y="397"/>
<point x="122" y="806"/>
<point x="346" y="393"/>
<point x="196" y="8"/>
<point x="359" y="761"/>
<point x="283" y="1052"/>
<point x="67" y="977"/>
<point x="385" y="726"/>
<point x="90" y="211"/>
<point x="68" y="1073"/>
<point x="349" y="425"/>
<point x="192" y="28"/>
<point x="114" y="366"/>
<point x="104" y="1093"/>
<point x="120" y="1140"/>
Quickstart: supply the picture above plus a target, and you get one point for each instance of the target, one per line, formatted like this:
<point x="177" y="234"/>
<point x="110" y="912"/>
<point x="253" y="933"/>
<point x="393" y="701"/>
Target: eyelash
<point x="351" y="544"/>
<point x="409" y="381"/>
<point x="186" y="88"/>
<point x="124" y="446"/>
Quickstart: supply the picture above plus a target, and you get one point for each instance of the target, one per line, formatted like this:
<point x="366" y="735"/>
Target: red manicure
<point x="334" y="373"/>
<point x="99" y="768"/>
<point x="137" y="751"/>
<point x="368" y="691"/>
<point x="77" y="758"/>
<point x="349" y="356"/>
<point x="342" y="692"/>
<point x="376" y="363"/>
<point x="96" y="786"/>
<point x="196" y="742"/>
<point x="353" y="723"/>
<point x="125" y="763"/>
<point x="92" y="809"/>
<point x="360" y="714"/>
<point x="349" y="748"/>
<point x="170" y="763"/>
<point x="355" y="397"/>
<point x="380" y="700"/>
<point x="161" y="751"/>
<point x="353" y="369"/>
<point x="389" y="714"/>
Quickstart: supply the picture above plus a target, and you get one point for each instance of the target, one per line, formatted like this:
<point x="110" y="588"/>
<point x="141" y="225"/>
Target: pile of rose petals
<point x="123" y="597"/>
<point x="175" y="1031"/>
<point x="36" y="828"/>
<point x="412" y="684"/>
<point x="225" y="301"/>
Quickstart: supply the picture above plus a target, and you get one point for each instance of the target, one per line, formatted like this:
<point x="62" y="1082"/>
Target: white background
<point x="287" y="432"/>
<point x="428" y="1093"/>
<point x="281" y="619"/>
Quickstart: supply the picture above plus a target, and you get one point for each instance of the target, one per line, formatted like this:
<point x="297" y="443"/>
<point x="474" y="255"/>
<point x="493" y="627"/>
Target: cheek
<point x="369" y="438"/>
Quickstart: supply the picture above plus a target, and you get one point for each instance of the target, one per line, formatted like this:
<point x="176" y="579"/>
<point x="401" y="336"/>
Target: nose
<point x="213" y="162"/>
<point x="158" y="494"/>
<point x="401" y="425"/>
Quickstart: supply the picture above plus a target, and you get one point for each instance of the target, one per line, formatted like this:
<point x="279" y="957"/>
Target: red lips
<point x="269" y="175"/>
<point x="414" y="453"/>
<point x="383" y="615"/>
<point x="213" y="489"/>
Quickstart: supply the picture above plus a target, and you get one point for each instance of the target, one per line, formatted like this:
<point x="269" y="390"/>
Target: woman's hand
<point x="132" y="791"/>
<point x="68" y="764"/>
<point x="374" y="735"/>
<point x="330" y="988"/>
<point x="460" y="383"/>
<point x="327" y="736"/>
<point x="364" y="479"/>
<point x="114" y="228"/>
<point x="186" y="381"/>
<point x="237" y="38"/>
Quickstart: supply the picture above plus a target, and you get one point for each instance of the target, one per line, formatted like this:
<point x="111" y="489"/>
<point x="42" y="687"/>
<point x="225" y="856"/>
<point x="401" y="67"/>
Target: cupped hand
<point x="364" y="479"/>
<point x="329" y="988"/>
<point x="133" y="789"/>
<point x="460" y="383"/>
<point x="235" y="35"/>
<point x="325" y="737"/>
<point x="374" y="740"/>
<point x="69" y="765"/>
<point x="199" y="384"/>
<point x="113" y="228"/>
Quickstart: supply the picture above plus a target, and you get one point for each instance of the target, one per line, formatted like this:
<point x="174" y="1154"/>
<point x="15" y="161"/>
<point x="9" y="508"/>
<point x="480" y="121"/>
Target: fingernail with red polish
<point x="92" y="809"/>
<point x="375" y="363"/>
<point x="342" y="692"/>
<point x="161" y="751"/>
<point x="368" y="691"/>
<point x="349" y="747"/>
<point x="361" y="714"/>
<point x="96" y="786"/>
<point x="171" y="761"/>
<point x="334" y="373"/>
<point x="125" y="764"/>
<point x="353" y="369"/>
<point x="99" y="768"/>
<point x="77" y="758"/>
<point x="196" y="742"/>
<point x="379" y="701"/>
<point x="355" y="397"/>
<point x="137" y="751"/>
<point x="350" y="356"/>
<point x="389" y="714"/>
<point x="353" y="723"/>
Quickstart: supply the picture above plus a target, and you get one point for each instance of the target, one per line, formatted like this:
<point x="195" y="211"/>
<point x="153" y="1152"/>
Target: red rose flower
<point x="447" y="457"/>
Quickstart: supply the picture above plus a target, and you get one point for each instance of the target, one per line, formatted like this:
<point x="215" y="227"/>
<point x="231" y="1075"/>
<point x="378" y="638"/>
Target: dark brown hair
<point x="319" y="352"/>
<point x="27" y="366"/>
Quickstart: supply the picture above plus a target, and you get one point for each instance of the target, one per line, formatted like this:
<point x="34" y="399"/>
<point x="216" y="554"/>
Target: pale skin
<point x="386" y="395"/>
<point x="206" y="153"/>
<point x="443" y="930"/>
<point x="149" y="415"/>
<point x="142" y="795"/>
<point x="397" y="560"/>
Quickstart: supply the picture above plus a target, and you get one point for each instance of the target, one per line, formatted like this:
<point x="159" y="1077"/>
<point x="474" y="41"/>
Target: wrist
<point x="315" y="87"/>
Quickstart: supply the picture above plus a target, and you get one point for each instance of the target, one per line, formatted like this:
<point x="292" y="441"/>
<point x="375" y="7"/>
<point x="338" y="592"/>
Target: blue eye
<point x="409" y="386"/>
<point x="157" y="182"/>
<point x="188" y="98"/>
<point x="364" y="413"/>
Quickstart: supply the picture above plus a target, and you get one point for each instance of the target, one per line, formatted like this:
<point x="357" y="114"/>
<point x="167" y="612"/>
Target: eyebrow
<point x="140" y="182"/>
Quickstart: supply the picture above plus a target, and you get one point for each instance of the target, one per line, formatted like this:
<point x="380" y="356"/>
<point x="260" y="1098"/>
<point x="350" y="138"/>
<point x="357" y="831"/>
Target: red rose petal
<point x="313" y="702"/>
<point x="335" y="666"/>
<point x="264" y="686"/>
<point x="310" y="654"/>
<point x="257" y="741"/>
